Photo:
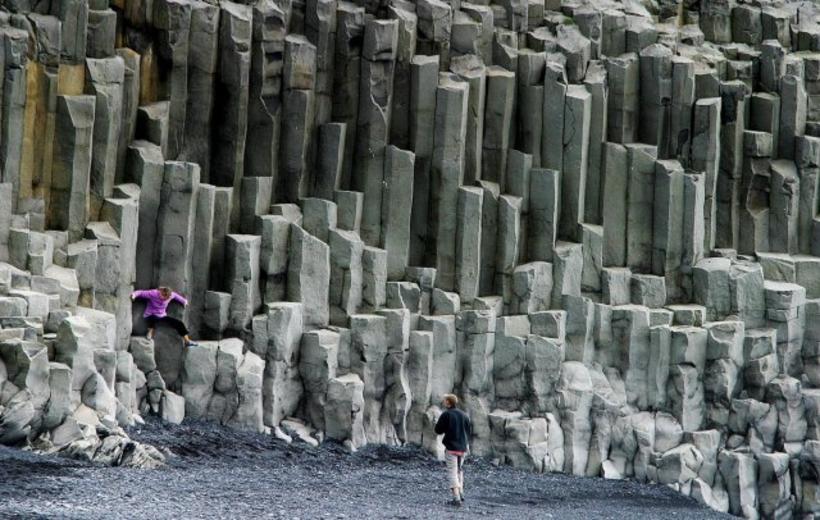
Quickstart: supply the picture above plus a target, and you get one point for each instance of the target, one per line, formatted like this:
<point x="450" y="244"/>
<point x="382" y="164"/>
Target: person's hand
<point x="133" y="297"/>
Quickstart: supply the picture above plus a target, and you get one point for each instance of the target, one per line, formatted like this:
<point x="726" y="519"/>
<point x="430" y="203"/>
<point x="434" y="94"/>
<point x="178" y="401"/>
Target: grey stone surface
<point x="71" y="171"/>
<point x="595" y="223"/>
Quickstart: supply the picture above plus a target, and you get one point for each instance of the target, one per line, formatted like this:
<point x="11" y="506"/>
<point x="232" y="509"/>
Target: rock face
<point x="597" y="222"/>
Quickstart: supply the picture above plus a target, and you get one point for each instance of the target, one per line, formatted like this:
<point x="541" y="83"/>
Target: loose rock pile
<point x="597" y="222"/>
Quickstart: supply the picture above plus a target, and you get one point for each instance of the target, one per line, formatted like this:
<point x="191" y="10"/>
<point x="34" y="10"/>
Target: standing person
<point x="456" y="427"/>
<point x="155" y="311"/>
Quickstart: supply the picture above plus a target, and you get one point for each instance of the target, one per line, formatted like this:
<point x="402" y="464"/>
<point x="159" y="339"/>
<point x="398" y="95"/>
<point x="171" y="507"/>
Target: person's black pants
<point x="174" y="323"/>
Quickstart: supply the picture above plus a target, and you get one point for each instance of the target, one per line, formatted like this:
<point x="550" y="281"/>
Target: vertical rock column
<point x="201" y="262"/>
<point x="309" y="276"/>
<point x="332" y="141"/>
<point x="807" y="159"/>
<point x="299" y="101"/>
<point x="596" y="83"/>
<point x="265" y="89"/>
<point x="716" y="20"/>
<point x="694" y="203"/>
<point x="785" y="311"/>
<point x="471" y="70"/>
<point x="175" y="226"/>
<point x="231" y="121"/>
<point x="282" y="386"/>
<point x="497" y="120"/>
<point x="447" y="173"/>
<point x="472" y="31"/>
<point x="13" y="67"/>
<point x="656" y="97"/>
<point x="423" y="82"/>
<point x="577" y="112"/>
<point x="519" y="184"/>
<point x="530" y="101"/>
<point x="374" y="278"/>
<point x="42" y="79"/>
<point x="202" y="69"/>
<point x="102" y="28"/>
<point x="400" y="111"/>
<point x="172" y="18"/>
<point x="242" y="254"/>
<point x="435" y="21"/>
<point x="680" y="116"/>
<point x="489" y="236"/>
<point x="346" y="71"/>
<point x="704" y="156"/>
<point x="73" y="15"/>
<point x="397" y="205"/>
<point x="640" y="207"/>
<point x="5" y="220"/>
<point x="468" y="242"/>
<point x="544" y="213"/>
<point x="109" y="269"/>
<point x="793" y="105"/>
<point x="614" y="212"/>
<point x="104" y="79"/>
<point x="368" y="350"/>
<point x="144" y="161"/>
<point x="373" y="127"/>
<point x="419" y="369"/>
<point x="130" y="104"/>
<point x="476" y="345"/>
<point x="346" y="250"/>
<point x="507" y="248"/>
<point x="555" y="91"/>
<point x="320" y="29"/>
<point x="733" y="122"/>
<point x="71" y="168"/>
<point x="397" y="397"/>
<point x="784" y="203"/>
<point x="623" y="106"/>
<point x="223" y="209"/>
<point x="318" y="363"/>
<point x="685" y="390"/>
<point x="753" y="218"/>
<point x="275" y="233"/>
<point x="122" y="213"/>
<point x="668" y="215"/>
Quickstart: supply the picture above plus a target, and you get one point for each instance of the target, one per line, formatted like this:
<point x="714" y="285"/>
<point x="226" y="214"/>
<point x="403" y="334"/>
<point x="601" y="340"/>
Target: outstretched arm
<point x="178" y="297"/>
<point x="140" y="294"/>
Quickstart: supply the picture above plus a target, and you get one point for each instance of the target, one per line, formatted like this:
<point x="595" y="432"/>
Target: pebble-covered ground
<point x="214" y="472"/>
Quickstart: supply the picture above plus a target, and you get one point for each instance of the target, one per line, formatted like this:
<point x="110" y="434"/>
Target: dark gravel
<point x="215" y="472"/>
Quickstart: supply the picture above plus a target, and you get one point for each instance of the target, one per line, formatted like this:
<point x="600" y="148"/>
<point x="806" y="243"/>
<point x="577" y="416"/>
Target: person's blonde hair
<point x="166" y="292"/>
<point x="451" y="399"/>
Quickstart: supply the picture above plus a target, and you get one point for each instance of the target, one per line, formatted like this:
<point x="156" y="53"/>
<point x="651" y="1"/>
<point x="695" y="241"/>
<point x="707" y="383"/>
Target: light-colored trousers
<point x="455" y="469"/>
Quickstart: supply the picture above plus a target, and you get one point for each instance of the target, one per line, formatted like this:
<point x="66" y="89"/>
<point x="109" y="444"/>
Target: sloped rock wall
<point x="597" y="222"/>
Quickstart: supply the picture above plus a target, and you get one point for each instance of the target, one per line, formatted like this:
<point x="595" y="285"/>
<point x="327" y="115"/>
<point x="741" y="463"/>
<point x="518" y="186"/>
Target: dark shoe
<point x="454" y="503"/>
<point x="192" y="344"/>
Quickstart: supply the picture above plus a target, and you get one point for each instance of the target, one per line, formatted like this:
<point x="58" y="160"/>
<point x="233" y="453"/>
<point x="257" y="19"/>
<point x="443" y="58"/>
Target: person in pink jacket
<point x="155" y="312"/>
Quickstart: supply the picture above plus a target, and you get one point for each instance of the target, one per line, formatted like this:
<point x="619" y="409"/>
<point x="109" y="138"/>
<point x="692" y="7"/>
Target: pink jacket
<point x="156" y="304"/>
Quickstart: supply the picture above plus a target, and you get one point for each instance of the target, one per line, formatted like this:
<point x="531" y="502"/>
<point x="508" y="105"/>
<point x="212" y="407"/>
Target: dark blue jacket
<point x="456" y="427"/>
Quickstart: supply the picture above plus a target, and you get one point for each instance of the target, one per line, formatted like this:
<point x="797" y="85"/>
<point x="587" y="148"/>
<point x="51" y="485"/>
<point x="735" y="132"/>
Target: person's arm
<point x="178" y="297"/>
<point x="441" y="424"/>
<point x="140" y="294"/>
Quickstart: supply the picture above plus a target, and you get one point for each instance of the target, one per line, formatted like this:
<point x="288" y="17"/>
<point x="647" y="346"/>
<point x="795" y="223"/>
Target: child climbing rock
<point x="155" y="311"/>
